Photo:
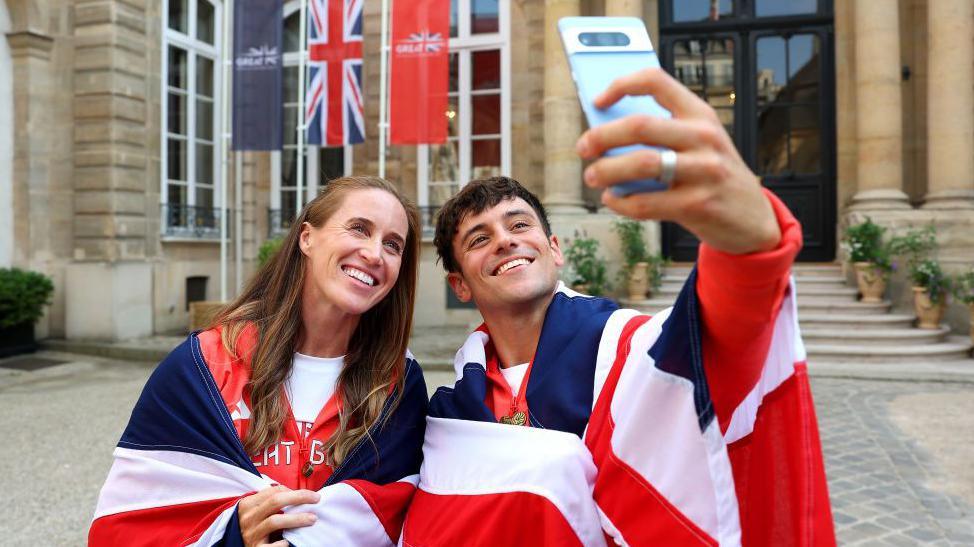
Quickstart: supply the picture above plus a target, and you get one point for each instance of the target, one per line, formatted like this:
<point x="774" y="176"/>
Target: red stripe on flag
<point x="637" y="510"/>
<point x="419" y="72"/>
<point x="168" y="525"/>
<point x="511" y="518"/>
<point x="784" y="500"/>
<point x="389" y="502"/>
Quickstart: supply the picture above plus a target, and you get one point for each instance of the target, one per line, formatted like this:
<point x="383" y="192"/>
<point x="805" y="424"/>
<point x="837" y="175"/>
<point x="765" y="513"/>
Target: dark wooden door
<point x="772" y="82"/>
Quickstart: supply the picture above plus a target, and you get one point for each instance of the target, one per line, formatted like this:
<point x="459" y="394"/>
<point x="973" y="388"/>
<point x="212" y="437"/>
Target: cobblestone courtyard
<point x="897" y="453"/>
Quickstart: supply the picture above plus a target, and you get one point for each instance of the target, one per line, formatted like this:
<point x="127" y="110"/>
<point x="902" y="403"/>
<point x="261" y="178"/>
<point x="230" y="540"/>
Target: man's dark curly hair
<point x="477" y="196"/>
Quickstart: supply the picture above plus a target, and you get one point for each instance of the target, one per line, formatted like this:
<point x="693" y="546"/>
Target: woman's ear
<point x="304" y="240"/>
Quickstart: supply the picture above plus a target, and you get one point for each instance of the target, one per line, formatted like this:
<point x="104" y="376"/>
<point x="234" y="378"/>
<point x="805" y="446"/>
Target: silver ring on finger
<point x="667" y="160"/>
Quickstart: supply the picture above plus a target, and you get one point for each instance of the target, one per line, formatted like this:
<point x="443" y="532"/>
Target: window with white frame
<point x="191" y="118"/>
<point x="320" y="164"/>
<point x="478" y="114"/>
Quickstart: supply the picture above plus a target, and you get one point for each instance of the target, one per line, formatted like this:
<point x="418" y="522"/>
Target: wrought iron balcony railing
<point x="192" y="222"/>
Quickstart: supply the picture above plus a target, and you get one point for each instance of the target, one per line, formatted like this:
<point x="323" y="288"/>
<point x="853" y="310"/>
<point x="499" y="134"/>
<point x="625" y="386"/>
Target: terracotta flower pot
<point x="638" y="281"/>
<point x="871" y="281"/>
<point x="929" y="313"/>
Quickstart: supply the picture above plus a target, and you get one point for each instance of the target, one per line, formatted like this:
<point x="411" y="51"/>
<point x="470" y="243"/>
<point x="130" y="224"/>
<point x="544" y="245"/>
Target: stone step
<point x="805" y="283"/>
<point x="838" y="293"/>
<point x="885" y="337"/>
<point x="823" y="306"/>
<point x="800" y="270"/>
<point x="878" y="322"/>
<point x="812" y="305"/>
<point x="955" y="348"/>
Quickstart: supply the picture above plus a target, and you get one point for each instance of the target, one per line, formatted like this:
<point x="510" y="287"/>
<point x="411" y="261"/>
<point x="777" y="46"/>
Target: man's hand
<point x="714" y="194"/>
<point x="260" y="514"/>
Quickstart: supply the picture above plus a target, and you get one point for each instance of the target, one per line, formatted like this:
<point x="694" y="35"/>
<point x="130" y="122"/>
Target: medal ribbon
<point x="508" y="408"/>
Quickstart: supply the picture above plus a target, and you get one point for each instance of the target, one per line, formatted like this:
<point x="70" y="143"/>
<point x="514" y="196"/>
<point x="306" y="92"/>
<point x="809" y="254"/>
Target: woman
<point x="301" y="410"/>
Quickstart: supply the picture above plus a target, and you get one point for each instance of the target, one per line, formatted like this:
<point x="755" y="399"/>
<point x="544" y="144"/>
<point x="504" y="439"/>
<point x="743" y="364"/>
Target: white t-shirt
<point x="515" y="376"/>
<point x="311" y="384"/>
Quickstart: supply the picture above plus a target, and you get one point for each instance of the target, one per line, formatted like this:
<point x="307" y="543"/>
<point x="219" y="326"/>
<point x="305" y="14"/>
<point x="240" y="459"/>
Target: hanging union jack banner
<point x="334" y="109"/>
<point x="420" y="70"/>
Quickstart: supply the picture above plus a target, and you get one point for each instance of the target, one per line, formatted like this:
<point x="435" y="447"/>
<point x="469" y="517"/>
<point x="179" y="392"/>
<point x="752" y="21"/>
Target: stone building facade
<point x="111" y="117"/>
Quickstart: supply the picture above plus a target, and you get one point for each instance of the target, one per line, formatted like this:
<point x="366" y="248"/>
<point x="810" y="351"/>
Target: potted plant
<point x="870" y="258"/>
<point x="964" y="292"/>
<point x="930" y="288"/>
<point x="930" y="285"/>
<point x="587" y="269"/>
<point x="23" y="295"/>
<point x="635" y="257"/>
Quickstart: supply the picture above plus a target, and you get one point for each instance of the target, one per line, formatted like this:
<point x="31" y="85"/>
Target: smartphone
<point x="599" y="50"/>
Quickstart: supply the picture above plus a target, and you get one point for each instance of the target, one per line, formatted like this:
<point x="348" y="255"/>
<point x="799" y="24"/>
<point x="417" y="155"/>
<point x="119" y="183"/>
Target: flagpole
<point x="383" y="85"/>
<point x="238" y="221"/>
<point x="224" y="179"/>
<point x="302" y="118"/>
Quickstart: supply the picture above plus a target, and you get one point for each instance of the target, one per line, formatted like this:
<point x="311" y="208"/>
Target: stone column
<point x="950" y="105"/>
<point x="626" y="8"/>
<point x="879" y="129"/>
<point x="562" y="118"/>
<point x="110" y="283"/>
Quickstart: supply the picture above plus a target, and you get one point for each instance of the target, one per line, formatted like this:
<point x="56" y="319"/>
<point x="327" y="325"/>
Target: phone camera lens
<point x="603" y="39"/>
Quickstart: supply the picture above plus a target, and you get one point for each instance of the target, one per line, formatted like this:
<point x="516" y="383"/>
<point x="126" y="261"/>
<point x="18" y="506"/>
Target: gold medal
<point x="307" y="469"/>
<point x="519" y="418"/>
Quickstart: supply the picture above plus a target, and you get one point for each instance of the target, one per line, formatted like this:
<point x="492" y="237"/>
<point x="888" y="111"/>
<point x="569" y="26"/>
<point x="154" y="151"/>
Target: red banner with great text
<point x="419" y="71"/>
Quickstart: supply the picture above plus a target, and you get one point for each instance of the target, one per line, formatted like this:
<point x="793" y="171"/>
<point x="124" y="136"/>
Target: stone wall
<point x="6" y="142"/>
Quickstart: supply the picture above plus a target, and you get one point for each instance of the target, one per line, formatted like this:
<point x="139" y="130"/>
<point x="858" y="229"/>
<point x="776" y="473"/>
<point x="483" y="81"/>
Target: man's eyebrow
<point x="517" y="212"/>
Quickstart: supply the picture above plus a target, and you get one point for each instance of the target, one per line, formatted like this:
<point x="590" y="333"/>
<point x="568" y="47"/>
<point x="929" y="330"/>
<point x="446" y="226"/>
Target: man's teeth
<point x="511" y="264"/>
<point x="360" y="275"/>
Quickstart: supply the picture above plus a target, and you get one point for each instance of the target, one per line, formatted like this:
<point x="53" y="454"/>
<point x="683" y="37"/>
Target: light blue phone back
<point x="594" y="71"/>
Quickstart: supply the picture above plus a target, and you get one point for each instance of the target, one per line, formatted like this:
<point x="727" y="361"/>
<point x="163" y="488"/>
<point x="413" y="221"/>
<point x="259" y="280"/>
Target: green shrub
<point x="928" y="274"/>
<point x="585" y="264"/>
<point x="964" y="287"/>
<point x="23" y="296"/>
<point x="633" y="245"/>
<point x="865" y="243"/>
<point x="924" y="271"/>
<point x="268" y="249"/>
<point x="634" y="251"/>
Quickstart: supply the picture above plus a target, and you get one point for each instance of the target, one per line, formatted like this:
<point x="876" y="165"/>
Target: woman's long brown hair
<point x="375" y="360"/>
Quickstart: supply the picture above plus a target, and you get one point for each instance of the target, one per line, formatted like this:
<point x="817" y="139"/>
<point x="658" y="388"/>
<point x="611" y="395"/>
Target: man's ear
<point x="304" y="240"/>
<point x="459" y="286"/>
<point x="556" y="250"/>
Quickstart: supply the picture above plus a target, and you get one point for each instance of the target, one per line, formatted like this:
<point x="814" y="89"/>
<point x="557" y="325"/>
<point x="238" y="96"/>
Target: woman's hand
<point x="713" y="194"/>
<point x="260" y="514"/>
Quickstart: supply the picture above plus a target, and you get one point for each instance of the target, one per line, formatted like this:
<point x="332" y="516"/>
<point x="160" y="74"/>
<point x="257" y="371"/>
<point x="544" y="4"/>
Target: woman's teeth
<point x="360" y="275"/>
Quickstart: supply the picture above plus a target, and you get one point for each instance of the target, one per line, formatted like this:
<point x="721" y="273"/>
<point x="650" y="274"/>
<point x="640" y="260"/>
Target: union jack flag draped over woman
<point x="180" y="467"/>
<point x="334" y="105"/>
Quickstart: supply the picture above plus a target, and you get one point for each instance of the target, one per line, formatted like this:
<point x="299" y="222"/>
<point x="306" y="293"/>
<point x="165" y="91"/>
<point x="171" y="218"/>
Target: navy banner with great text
<point x="257" y="75"/>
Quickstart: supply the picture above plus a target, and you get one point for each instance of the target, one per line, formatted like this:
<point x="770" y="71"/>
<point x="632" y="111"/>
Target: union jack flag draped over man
<point x="334" y="109"/>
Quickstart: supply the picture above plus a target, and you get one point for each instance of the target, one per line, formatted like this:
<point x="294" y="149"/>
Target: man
<point x="573" y="422"/>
